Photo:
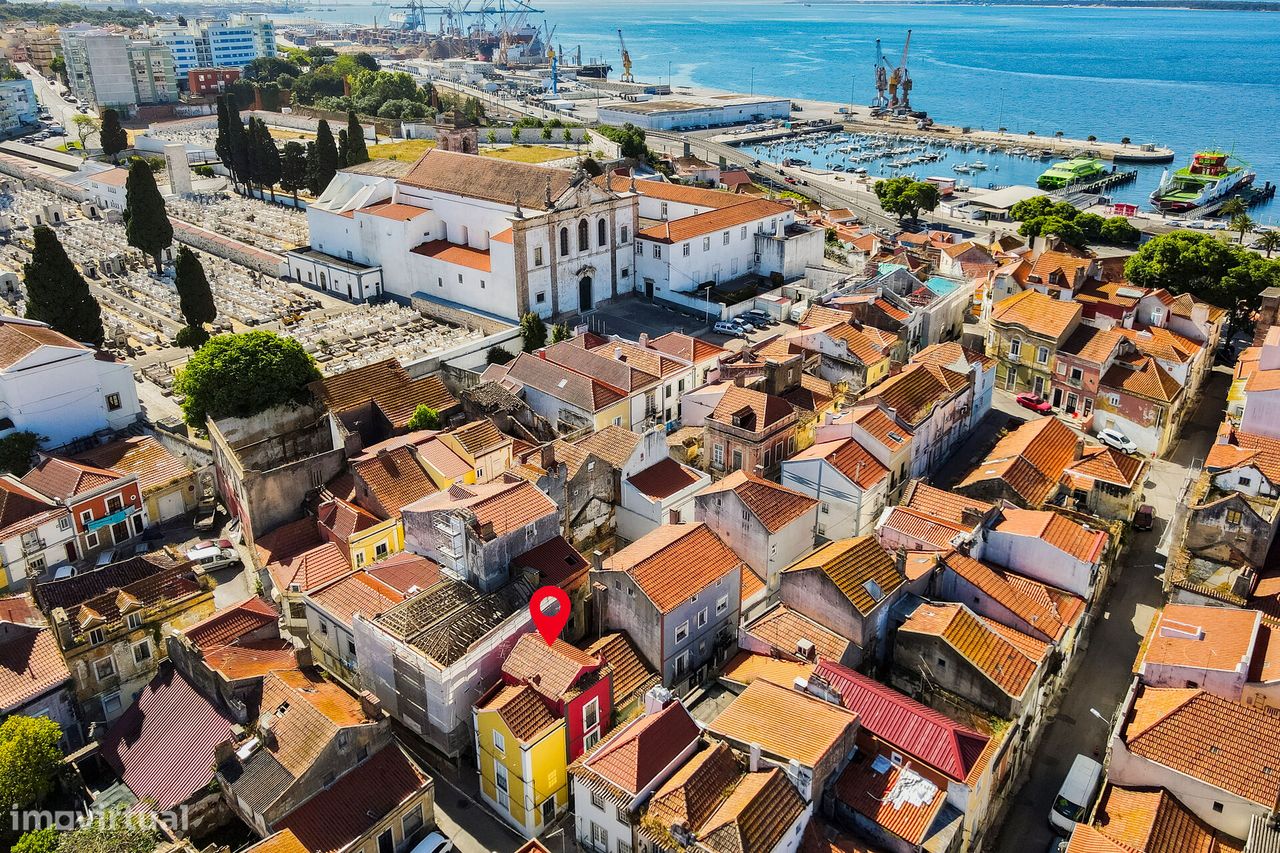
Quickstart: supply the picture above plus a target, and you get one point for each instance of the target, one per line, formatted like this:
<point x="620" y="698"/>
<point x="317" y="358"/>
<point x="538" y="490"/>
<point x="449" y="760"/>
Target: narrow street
<point x="1104" y="673"/>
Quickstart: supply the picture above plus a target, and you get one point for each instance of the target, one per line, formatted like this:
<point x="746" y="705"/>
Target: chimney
<point x="486" y="531"/>
<point x="547" y="456"/>
<point x="617" y="354"/>
<point x="900" y="560"/>
<point x="370" y="704"/>
<point x="755" y="757"/>
<point x="61" y="626"/>
<point x="656" y="699"/>
<point x="597" y="559"/>
<point x="644" y="340"/>
<point x="542" y="354"/>
<point x="673" y="516"/>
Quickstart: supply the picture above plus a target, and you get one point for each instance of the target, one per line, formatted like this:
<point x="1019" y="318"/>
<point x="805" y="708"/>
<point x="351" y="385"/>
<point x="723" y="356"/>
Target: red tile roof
<point x="406" y="572"/>
<point x="899" y="720"/>
<point x="294" y="554"/>
<point x="783" y="629"/>
<point x="667" y="191"/>
<point x="634" y="756"/>
<point x="66" y="478"/>
<point x="674" y="562"/>
<point x="848" y="457"/>
<point x="700" y="224"/>
<point x="902" y="800"/>
<point x="506" y="506"/>
<point x="1006" y="657"/>
<point x="31" y="665"/>
<point x="22" y="509"/>
<point x="164" y="745"/>
<point x="1047" y="610"/>
<point x="143" y="456"/>
<point x="551" y="670"/>
<point x="664" y="478"/>
<point x="253" y="659"/>
<point x="394" y="479"/>
<point x="556" y="562"/>
<point x="773" y="505"/>
<point x="231" y="623"/>
<point x="521" y="710"/>
<point x="687" y="347"/>
<point x="1030" y="460"/>
<point x="923" y="529"/>
<point x="759" y="410"/>
<point x="20" y="338"/>
<point x="753" y="717"/>
<point x="1151" y="820"/>
<point x="453" y="253"/>
<point x="358" y="592"/>
<point x="1070" y="537"/>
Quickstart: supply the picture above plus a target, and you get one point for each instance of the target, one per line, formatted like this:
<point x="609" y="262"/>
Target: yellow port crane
<point x="899" y="77"/>
<point x="626" y="60"/>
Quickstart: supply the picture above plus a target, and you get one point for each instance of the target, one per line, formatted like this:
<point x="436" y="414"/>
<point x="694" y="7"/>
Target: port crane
<point x="882" y="79"/>
<point x="491" y="13"/>
<point x="899" y="77"/>
<point x="626" y="60"/>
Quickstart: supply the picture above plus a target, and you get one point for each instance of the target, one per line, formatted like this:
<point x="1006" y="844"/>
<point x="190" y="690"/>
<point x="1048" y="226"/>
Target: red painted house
<point x="106" y="505"/>
<point x="574" y="685"/>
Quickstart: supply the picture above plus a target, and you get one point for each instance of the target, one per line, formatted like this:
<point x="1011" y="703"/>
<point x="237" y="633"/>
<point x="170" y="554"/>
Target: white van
<point x="214" y="555"/>
<point x="1075" y="795"/>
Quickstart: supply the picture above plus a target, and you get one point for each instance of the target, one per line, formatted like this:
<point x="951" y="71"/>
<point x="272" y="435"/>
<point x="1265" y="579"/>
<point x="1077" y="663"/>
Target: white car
<point x="1115" y="438"/>
<point x="434" y="843"/>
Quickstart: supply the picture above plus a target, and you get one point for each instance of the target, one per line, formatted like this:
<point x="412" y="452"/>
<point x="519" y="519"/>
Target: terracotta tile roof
<point x="687" y="347"/>
<point x="988" y="646"/>
<point x="358" y="592"/>
<point x="479" y="437"/>
<point x="1087" y="839"/>
<point x="504" y="236"/>
<point x="22" y="509"/>
<point x="343" y="519"/>
<point x="142" y="456"/>
<point x="20" y="338"/>
<point x="943" y="505"/>
<point x="773" y="505"/>
<point x="664" y="478"/>
<point x="1143" y="377"/>
<point x="440" y="457"/>
<point x="749" y="585"/>
<point x="306" y="713"/>
<point x="18" y="610"/>
<point x="913" y="393"/>
<point x="666" y="191"/>
<point x="387" y="385"/>
<point x="231" y="623"/>
<point x="784" y="629"/>
<point x="822" y="837"/>
<point x="915" y="729"/>
<point x="1060" y="267"/>
<point x="924" y="529"/>
<point x="393" y="478"/>
<point x="1070" y="537"/>
<point x="69" y="593"/>
<point x="551" y="670"/>
<point x="752" y="717"/>
<point x="66" y="478"/>
<point x="1108" y="465"/>
<point x="1264" y="666"/>
<point x="454" y="253"/>
<point x="902" y="800"/>
<point x="634" y="756"/>
<point x="556" y="562"/>
<point x="675" y="561"/>
<point x="406" y="572"/>
<point x="392" y="210"/>
<point x="812" y="394"/>
<point x="632" y="677"/>
<point x="613" y="444"/>
<point x="562" y="383"/>
<point x="745" y="667"/>
<point x="163" y="746"/>
<point x="1203" y="638"/>
<point x="351" y="806"/>
<point x="817" y="316"/>
<point x="281" y="842"/>
<point x="1030" y="460"/>
<point x="1151" y="820"/>
<point x="1029" y="601"/>
<point x="649" y="361"/>
<point x="1236" y="449"/>
<point x="1092" y="344"/>
<point x="520" y="709"/>
<point x="848" y="457"/>
<point x="1224" y="744"/>
<point x="696" y="789"/>
<point x="503" y="181"/>
<point x="252" y="660"/>
<point x="506" y="506"/>
<point x="1162" y="344"/>
<point x="172" y="585"/>
<point x="760" y="411"/>
<point x="31" y="665"/>
<point x="295" y="554"/>
<point x="1040" y="315"/>
<point x="953" y="355"/>
<point x="755" y="817"/>
<point x="625" y="375"/>
<point x="866" y="345"/>
<point x="859" y="568"/>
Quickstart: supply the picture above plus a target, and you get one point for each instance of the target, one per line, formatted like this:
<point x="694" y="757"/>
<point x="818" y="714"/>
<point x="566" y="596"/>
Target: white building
<point x="35" y="535"/>
<point x="55" y="387"/>
<point x="230" y="43"/>
<point x="850" y="485"/>
<point x="485" y="235"/>
<point x="112" y="70"/>
<point x="17" y="105"/>
<point x="690" y="111"/>
<point x="660" y="494"/>
<point x="1048" y="547"/>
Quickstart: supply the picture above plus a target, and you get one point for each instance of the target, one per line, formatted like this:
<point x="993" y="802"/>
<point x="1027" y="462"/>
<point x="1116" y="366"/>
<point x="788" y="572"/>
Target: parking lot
<point x="630" y="317"/>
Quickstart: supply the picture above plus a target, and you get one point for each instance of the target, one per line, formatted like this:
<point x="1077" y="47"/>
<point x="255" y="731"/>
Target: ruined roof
<point x="387" y="385"/>
<point x="445" y="621"/>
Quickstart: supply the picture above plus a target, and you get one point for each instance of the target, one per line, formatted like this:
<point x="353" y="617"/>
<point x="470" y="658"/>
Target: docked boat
<point x="1069" y="172"/>
<point x="978" y="166"/>
<point x="1210" y="178"/>
<point x="961" y="168"/>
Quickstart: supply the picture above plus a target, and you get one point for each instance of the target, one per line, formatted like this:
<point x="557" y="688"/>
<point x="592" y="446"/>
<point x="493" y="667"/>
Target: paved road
<point x="50" y="95"/>
<point x="1103" y="674"/>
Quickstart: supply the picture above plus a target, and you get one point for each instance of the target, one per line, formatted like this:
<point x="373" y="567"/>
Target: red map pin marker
<point x="549" y="624"/>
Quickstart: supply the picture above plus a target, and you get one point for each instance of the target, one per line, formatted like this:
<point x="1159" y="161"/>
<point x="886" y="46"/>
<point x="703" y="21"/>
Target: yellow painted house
<point x="365" y="538"/>
<point x="522" y="750"/>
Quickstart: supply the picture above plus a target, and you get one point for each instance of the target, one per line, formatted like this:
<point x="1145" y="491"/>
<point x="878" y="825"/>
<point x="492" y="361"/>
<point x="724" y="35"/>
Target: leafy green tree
<point x="146" y="223"/>
<point x="905" y="198"/>
<point x="38" y="841"/>
<point x="270" y="69"/>
<point x="492" y="136"/>
<point x="567" y="136"/>
<point x="195" y="297"/>
<point x="1242" y="222"/>
<point x="498" y="355"/>
<point x="86" y="126"/>
<point x="109" y="833"/>
<point x="1269" y="241"/>
<point x="1118" y="231"/>
<point x="1066" y="229"/>
<point x="546" y="134"/>
<point x="357" y="151"/>
<point x="560" y="332"/>
<point x="1218" y="272"/>
<point x="58" y="66"/>
<point x="293" y="169"/>
<point x="327" y="162"/>
<point x="242" y="375"/>
<point x="17" y="450"/>
<point x="192" y="337"/>
<point x="29" y="759"/>
<point x="114" y="138"/>
<point x="1031" y="208"/>
<point x="344" y="148"/>
<point x="534" y="332"/>
<point x="1233" y="206"/>
<point x="591" y="167"/>
<point x="424" y="417"/>
<point x="1090" y="225"/>
<point x="629" y="138"/>
<point x="222" y="142"/>
<point x="515" y="135"/>
<point x="56" y="292"/>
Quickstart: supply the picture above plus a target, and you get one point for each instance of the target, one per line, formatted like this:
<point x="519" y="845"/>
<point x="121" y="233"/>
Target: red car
<point x="1031" y="401"/>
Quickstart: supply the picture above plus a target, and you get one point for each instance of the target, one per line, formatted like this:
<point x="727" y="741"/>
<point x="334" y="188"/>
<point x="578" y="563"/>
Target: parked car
<point x="758" y="318"/>
<point x="733" y="330"/>
<point x="1027" y="400"/>
<point x="1143" y="518"/>
<point x="214" y="554"/>
<point x="63" y="571"/>
<point x="1115" y="438"/>
<point x="1075" y="795"/>
<point x="434" y="843"/>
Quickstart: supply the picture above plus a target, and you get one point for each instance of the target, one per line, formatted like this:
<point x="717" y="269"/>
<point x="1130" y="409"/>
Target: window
<point x="599" y="804"/>
<point x="591" y="715"/>
<point x="826" y="508"/>
<point x="682" y="632"/>
<point x="1246" y="481"/>
<point x="113" y="402"/>
<point x="626" y="236"/>
<point x="104" y="668"/>
<point x="142" y="652"/>
<point x="541" y="298"/>
<point x="684" y="250"/>
<point x="324" y="623"/>
<point x="86" y="516"/>
<point x="65" y="522"/>
<point x="549" y="809"/>
<point x="1113" y="399"/>
<point x="1217" y="807"/>
<point x="96" y="636"/>
<point x="1234" y="517"/>
<point x="381" y="550"/>
<point x="590" y="739"/>
<point x="725" y="238"/>
<point x="1042" y="355"/>
<point x="1015" y="348"/>
<point x="722" y="604"/>
<point x="584" y="236"/>
<point x="599" y="838"/>
<point x="111" y="704"/>
<point x="134" y="621"/>
<point x="663" y="213"/>
<point x="411" y="823"/>
<point x="657" y="250"/>
<point x="386" y="840"/>
<point x="537" y="256"/>
<point x="1077" y="374"/>
<point x="359" y="559"/>
<point x="564" y="242"/>
<point x="623" y="847"/>
<point x="499" y="742"/>
<point x="706" y="244"/>
<point x="602" y="233"/>
<point x="743" y="235"/>
<point x="942" y="664"/>
<point x="702" y="617"/>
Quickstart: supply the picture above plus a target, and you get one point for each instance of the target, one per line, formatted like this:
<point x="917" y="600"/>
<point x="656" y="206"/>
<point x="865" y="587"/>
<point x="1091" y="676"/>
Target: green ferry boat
<point x="1070" y="172"/>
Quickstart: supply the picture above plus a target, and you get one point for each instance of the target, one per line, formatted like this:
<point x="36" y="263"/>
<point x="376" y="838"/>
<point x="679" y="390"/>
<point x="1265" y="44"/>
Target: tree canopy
<point x="244" y="374"/>
<point x="195" y="297"/>
<point x="29" y="759"/>
<point x="905" y="198"/>
<point x="146" y="223"/>
<point x="534" y="331"/>
<point x="357" y="151"/>
<point x="327" y="162"/>
<point x="424" y="417"/>
<point x="17" y="449"/>
<point x="293" y="168"/>
<point x="1043" y="216"/>
<point x="629" y="138"/>
<point x="56" y="292"/>
<point x="113" y="135"/>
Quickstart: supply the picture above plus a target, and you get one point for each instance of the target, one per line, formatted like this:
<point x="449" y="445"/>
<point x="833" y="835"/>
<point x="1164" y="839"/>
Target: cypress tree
<point x="313" y="169"/>
<point x="146" y="222"/>
<point x="222" y="145"/>
<point x="114" y="139"/>
<point x="344" y="150"/>
<point x="327" y="162"/>
<point x="293" y="169"/>
<point x="195" y="297"/>
<point x="241" y="160"/>
<point x="56" y="292"/>
<point x="357" y="151"/>
<point x="269" y="166"/>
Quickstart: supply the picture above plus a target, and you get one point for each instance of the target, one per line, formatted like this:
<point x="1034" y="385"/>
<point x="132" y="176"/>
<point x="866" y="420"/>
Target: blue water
<point x="1181" y="78"/>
